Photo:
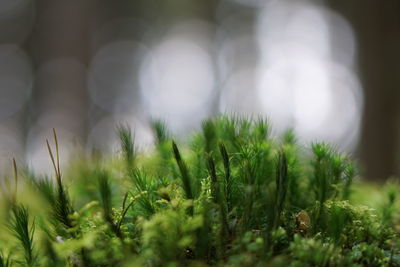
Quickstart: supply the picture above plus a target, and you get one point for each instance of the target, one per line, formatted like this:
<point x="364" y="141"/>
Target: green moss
<point x="232" y="195"/>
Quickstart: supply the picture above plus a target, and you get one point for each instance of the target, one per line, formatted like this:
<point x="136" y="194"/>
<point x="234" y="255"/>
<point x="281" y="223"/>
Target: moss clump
<point x="232" y="195"/>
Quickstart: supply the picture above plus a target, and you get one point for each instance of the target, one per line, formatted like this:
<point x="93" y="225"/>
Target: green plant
<point x="23" y="231"/>
<point x="5" y="261"/>
<point x="233" y="195"/>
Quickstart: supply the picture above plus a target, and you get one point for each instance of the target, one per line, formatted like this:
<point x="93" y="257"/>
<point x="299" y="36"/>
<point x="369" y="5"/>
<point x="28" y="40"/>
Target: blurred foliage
<point x="232" y="196"/>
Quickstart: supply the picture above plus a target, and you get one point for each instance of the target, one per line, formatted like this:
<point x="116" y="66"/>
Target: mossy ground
<point x="231" y="196"/>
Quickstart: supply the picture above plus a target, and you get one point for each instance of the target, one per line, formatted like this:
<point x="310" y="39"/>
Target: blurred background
<point x="328" y="69"/>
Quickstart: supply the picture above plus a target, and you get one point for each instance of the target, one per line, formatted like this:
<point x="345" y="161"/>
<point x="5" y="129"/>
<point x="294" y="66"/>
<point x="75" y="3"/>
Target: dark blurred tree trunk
<point x="377" y="28"/>
<point x="59" y="47"/>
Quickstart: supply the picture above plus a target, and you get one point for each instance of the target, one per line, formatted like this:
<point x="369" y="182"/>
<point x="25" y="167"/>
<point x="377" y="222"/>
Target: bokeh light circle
<point x="113" y="80"/>
<point x="16" y="79"/>
<point x="177" y="82"/>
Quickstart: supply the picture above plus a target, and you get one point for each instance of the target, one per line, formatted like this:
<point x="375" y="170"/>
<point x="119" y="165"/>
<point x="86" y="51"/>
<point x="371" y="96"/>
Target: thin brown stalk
<point x="15" y="180"/>
<point x="57" y="154"/>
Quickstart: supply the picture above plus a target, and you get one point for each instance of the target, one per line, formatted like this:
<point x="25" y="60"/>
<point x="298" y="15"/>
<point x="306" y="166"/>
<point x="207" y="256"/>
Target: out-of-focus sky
<point x="84" y="66"/>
